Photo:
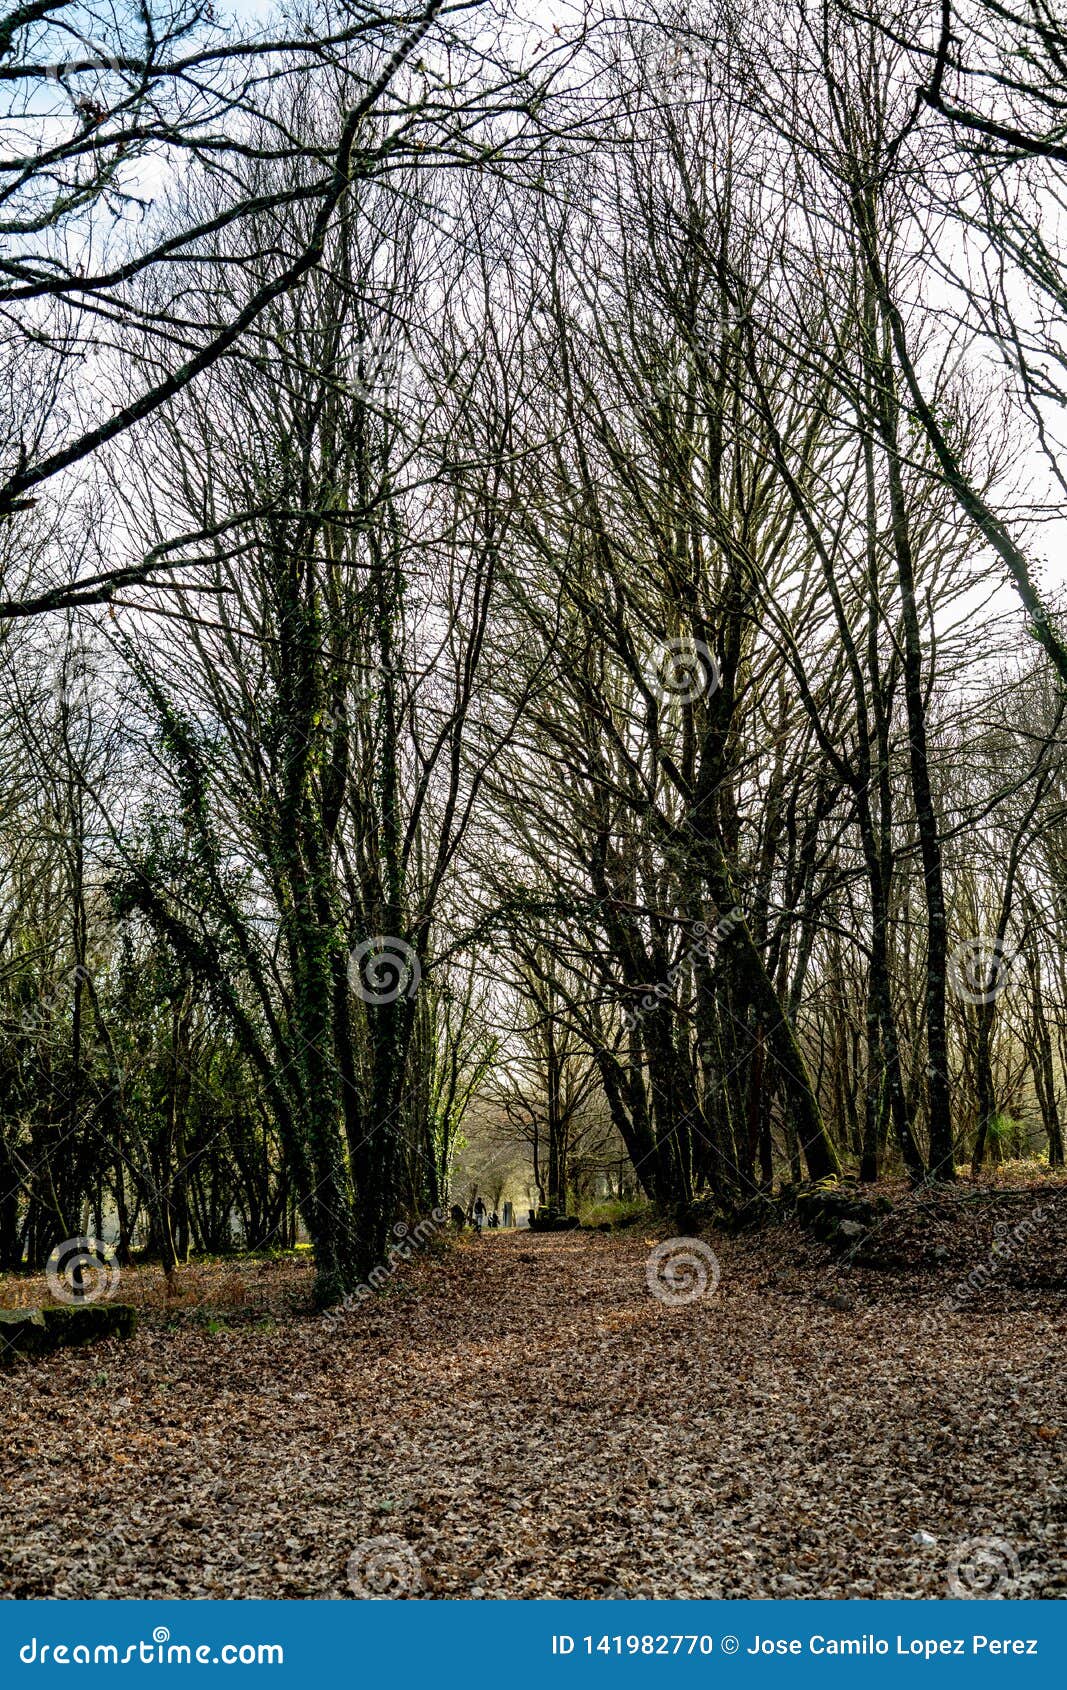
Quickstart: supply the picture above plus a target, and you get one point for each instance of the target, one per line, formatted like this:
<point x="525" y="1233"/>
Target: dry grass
<point x="244" y="1286"/>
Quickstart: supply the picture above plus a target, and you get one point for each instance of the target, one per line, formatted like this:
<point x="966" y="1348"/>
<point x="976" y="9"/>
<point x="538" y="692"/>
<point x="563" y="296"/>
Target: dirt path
<point x="523" y="1418"/>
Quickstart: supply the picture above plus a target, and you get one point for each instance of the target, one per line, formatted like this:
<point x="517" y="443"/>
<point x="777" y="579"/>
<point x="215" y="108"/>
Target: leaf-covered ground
<point x="522" y="1416"/>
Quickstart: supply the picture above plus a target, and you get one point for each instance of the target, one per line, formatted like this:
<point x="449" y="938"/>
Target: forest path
<point x="522" y="1417"/>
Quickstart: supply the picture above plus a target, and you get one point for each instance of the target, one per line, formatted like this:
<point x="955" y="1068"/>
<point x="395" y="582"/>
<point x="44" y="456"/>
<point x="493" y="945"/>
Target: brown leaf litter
<point x="522" y="1417"/>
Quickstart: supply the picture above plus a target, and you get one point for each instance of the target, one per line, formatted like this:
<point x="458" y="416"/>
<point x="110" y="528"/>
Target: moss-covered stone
<point x="82" y="1323"/>
<point x="550" y="1220"/>
<point x="22" y="1332"/>
<point x="835" y="1214"/>
<point x="29" y="1332"/>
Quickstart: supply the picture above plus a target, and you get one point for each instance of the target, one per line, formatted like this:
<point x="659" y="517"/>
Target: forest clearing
<point x="520" y="1416"/>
